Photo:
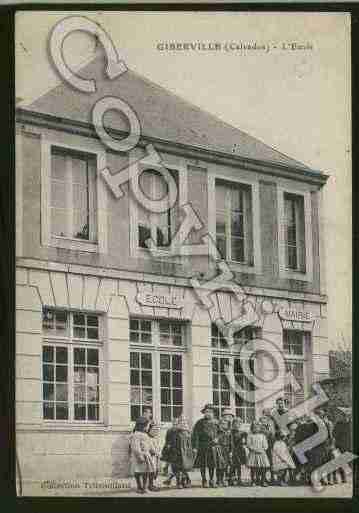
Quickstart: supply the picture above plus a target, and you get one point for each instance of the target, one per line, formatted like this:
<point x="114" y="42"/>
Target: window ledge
<point x="291" y="274"/>
<point x="243" y="268"/>
<point x="74" y="244"/>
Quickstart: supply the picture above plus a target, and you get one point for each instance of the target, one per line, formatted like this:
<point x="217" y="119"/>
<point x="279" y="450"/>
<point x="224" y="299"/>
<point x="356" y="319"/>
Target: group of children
<point x="224" y="448"/>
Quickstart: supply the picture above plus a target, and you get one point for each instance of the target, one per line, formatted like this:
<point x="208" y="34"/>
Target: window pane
<point x="92" y="376"/>
<point x="58" y="165"/>
<point x="134" y="360"/>
<point x="79" y="319"/>
<point x="48" y="354"/>
<point x="215" y="381"/>
<point x="164" y="326"/>
<point x="146" y="360"/>
<point x="146" y="338"/>
<point x="93" y="412"/>
<point x="134" y="336"/>
<point x="147" y="396"/>
<point x="80" y="224"/>
<point x="80" y="412"/>
<point x="135" y="395"/>
<point x="93" y="394"/>
<point x="177" y="397"/>
<point x="61" y="392"/>
<point x="165" y="396"/>
<point x="48" y="410"/>
<point x="221" y="200"/>
<point x="79" y="333"/>
<point x="133" y="324"/>
<point x="166" y="414"/>
<point x="225" y="398"/>
<point x="146" y="378"/>
<point x="215" y="364"/>
<point x="135" y="377"/>
<point x="177" y="379"/>
<point x="61" y="373"/>
<point x="92" y="333"/>
<point x="237" y="250"/>
<point x="62" y="412"/>
<point x="165" y="379"/>
<point x="59" y="222"/>
<point x="61" y="355"/>
<point x="48" y="372"/>
<point x="177" y="362"/>
<point x="237" y="224"/>
<point x="79" y="375"/>
<point x="80" y="393"/>
<point x="92" y="320"/>
<point x="165" y="361"/>
<point x="92" y="357"/>
<point x="58" y="195"/>
<point x="48" y="392"/>
<point x="79" y="356"/>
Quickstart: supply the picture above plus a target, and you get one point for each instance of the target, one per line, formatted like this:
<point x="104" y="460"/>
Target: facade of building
<point x="104" y="326"/>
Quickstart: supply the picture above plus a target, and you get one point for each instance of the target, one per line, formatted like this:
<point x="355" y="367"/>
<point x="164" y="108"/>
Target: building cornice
<point x="122" y="274"/>
<point x="47" y="121"/>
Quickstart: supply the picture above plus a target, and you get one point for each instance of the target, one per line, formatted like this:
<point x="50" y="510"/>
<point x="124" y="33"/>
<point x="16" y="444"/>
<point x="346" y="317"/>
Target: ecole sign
<point x="159" y="300"/>
<point x="295" y="315"/>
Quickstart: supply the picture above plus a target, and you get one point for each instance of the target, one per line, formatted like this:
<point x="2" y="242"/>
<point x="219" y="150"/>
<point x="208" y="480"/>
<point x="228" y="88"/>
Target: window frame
<point x="156" y="349"/>
<point x="71" y="343"/>
<point x="231" y="354"/>
<point x="252" y="182"/>
<point x="302" y="359"/>
<point x="284" y="271"/>
<point x="47" y="239"/>
<point x="164" y="252"/>
<point x="248" y="252"/>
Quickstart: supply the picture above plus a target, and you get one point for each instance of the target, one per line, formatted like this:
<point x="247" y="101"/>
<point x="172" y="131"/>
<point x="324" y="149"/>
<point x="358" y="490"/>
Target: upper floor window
<point x="294" y="232"/>
<point x="73" y="195"/>
<point x="71" y="366"/>
<point x="234" y="223"/>
<point x="156" y="226"/>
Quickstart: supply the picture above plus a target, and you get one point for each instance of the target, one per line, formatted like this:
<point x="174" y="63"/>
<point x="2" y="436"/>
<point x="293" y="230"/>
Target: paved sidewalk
<point x="339" y="491"/>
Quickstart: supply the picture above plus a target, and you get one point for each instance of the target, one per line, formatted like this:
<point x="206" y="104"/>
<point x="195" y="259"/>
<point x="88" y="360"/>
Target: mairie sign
<point x="159" y="300"/>
<point x="295" y="315"/>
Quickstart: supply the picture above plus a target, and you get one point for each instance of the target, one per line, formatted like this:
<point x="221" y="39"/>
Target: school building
<point x="104" y="325"/>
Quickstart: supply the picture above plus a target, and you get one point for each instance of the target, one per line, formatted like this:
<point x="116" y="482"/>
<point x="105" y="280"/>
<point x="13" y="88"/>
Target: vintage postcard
<point x="183" y="254"/>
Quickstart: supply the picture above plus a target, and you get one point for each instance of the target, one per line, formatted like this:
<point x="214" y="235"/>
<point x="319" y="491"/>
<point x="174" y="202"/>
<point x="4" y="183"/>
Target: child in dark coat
<point x="239" y="453"/>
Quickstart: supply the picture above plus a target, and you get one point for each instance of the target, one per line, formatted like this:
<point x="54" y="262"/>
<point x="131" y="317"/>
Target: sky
<point x="297" y="101"/>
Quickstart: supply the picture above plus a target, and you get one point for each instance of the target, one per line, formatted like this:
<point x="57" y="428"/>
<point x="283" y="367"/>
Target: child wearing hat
<point x="205" y="444"/>
<point x="141" y="462"/>
<point x="178" y="452"/>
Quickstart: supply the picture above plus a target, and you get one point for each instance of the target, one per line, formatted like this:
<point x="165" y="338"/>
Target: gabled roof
<point x="162" y="114"/>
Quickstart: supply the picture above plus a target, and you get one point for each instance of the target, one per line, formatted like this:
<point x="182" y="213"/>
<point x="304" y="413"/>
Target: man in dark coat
<point x="204" y="443"/>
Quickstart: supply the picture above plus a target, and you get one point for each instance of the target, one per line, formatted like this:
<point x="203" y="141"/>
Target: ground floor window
<point x="157" y="360"/>
<point x="227" y="370"/>
<point x="295" y="348"/>
<point x="71" y="366"/>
